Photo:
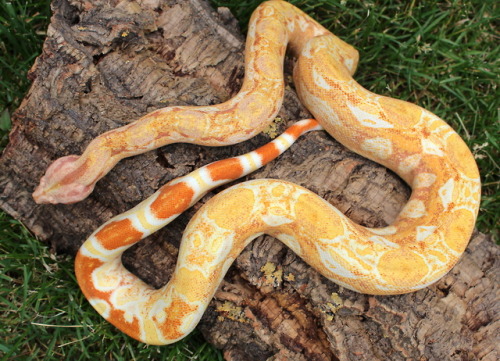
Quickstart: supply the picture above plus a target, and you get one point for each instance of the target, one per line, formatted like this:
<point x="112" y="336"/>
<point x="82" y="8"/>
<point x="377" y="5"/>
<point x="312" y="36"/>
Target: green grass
<point x="22" y="30"/>
<point x="443" y="57"/>
<point x="45" y="316"/>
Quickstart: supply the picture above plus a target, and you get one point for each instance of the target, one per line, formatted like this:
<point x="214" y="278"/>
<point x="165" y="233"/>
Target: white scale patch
<point x="274" y="220"/>
<point x="446" y="193"/>
<point x="332" y="265"/>
<point x="382" y="241"/>
<point x="291" y="242"/>
<point x="303" y="24"/>
<point x="415" y="208"/>
<point x="268" y="11"/>
<point x="409" y="163"/>
<point x="424" y="180"/>
<point x="430" y="147"/>
<point x="380" y="147"/>
<point x="205" y="176"/>
<point x="306" y="51"/>
<point x="386" y="231"/>
<point x="349" y="64"/>
<point x="383" y="285"/>
<point x="283" y="142"/>
<point x="193" y="183"/>
<point x="146" y="229"/>
<point x="318" y="32"/>
<point x="250" y="161"/>
<point x="252" y="30"/>
<point x="200" y="183"/>
<point x="122" y="300"/>
<point x="469" y="194"/>
<point x="368" y="119"/>
<point x="321" y="109"/>
<point x="107" y="277"/>
<point x="158" y="308"/>
<point x="92" y="248"/>
<point x="101" y="306"/>
<point x="93" y="245"/>
<point x="189" y="322"/>
<point x="425" y="231"/>
<point x="319" y="80"/>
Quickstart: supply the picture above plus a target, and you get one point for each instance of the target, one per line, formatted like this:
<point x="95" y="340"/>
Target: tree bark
<point x="106" y="63"/>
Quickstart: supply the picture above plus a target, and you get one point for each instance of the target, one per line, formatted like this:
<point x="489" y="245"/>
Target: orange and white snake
<point x="419" y="247"/>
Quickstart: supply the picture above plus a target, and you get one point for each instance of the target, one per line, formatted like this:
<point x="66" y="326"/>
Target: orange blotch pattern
<point x="176" y="312"/>
<point x="173" y="199"/>
<point x="118" y="234"/>
<point x="267" y="153"/>
<point x="116" y="317"/>
<point x="84" y="266"/>
<point x="225" y="169"/>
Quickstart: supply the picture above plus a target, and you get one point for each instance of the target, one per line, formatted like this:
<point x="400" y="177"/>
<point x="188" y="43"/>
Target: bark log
<point x="106" y="63"/>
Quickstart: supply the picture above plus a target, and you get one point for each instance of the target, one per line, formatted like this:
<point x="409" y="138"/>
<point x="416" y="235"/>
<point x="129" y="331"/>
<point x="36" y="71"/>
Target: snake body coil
<point x="418" y="248"/>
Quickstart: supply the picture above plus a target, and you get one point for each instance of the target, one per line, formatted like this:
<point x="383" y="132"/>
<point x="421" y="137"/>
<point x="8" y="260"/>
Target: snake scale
<point x="418" y="248"/>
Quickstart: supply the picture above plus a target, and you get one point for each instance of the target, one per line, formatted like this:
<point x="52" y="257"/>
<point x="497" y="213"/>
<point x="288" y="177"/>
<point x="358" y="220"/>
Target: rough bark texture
<point x="106" y="63"/>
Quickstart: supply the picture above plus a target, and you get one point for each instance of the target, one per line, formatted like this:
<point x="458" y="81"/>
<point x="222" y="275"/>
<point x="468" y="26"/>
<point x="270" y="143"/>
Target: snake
<point x="420" y="246"/>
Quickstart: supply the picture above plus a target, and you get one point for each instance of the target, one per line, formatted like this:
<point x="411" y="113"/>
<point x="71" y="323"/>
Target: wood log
<point x="105" y="64"/>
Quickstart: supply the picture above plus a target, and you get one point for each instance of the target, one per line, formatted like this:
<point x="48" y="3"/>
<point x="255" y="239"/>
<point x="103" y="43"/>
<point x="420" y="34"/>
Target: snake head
<point x="62" y="183"/>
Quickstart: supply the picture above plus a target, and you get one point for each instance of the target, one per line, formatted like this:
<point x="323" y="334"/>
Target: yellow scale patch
<point x="141" y="216"/>
<point x="199" y="177"/>
<point x="402" y="267"/>
<point x="90" y="248"/>
<point x="241" y="205"/>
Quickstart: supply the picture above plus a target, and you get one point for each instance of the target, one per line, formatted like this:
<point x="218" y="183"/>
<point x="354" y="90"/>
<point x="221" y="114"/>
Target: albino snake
<point x="418" y="248"/>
